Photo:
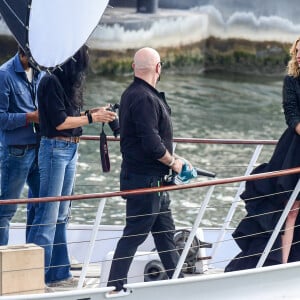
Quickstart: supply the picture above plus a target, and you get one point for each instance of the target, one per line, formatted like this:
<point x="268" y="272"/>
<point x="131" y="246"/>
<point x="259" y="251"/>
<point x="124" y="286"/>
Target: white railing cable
<point x="279" y="225"/>
<point x="235" y="201"/>
<point x="193" y="232"/>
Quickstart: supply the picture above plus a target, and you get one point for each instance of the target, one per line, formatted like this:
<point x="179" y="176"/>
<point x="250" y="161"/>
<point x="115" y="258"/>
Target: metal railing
<point x="211" y="184"/>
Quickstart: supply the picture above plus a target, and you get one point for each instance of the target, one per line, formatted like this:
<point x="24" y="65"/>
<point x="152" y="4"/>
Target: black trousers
<point x="144" y="214"/>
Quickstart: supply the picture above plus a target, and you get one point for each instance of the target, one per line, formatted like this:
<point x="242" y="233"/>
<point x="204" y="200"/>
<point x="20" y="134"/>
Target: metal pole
<point x="193" y="232"/>
<point x="92" y="243"/>
<point x="235" y="201"/>
<point x="279" y="225"/>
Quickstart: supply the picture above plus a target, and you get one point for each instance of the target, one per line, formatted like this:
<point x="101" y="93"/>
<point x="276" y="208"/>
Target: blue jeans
<point x="17" y="168"/>
<point x="57" y="164"/>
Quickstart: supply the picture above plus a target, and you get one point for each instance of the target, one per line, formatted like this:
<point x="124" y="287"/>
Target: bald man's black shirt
<point x="146" y="129"/>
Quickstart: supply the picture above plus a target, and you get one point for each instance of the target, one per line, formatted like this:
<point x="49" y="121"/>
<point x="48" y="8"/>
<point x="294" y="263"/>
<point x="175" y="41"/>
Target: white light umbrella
<point x="52" y="31"/>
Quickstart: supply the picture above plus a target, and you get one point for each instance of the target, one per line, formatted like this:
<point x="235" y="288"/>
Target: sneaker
<point x="114" y="294"/>
<point x="65" y="284"/>
<point x="48" y="289"/>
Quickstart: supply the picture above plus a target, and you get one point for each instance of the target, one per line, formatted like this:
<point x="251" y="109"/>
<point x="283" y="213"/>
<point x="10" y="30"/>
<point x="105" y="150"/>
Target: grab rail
<point x="195" y="140"/>
<point x="155" y="189"/>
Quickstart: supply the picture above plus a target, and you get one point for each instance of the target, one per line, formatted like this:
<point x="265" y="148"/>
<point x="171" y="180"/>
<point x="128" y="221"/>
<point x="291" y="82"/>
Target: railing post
<point x="279" y="225"/>
<point x="92" y="243"/>
<point x="193" y="232"/>
<point x="235" y="201"/>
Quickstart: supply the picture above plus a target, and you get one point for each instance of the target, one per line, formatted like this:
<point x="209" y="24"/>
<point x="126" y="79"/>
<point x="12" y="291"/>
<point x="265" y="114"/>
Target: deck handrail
<point x="196" y="140"/>
<point x="207" y="183"/>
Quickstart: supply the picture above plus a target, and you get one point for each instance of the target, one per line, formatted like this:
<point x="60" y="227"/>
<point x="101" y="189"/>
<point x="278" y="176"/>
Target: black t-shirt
<point x="54" y="108"/>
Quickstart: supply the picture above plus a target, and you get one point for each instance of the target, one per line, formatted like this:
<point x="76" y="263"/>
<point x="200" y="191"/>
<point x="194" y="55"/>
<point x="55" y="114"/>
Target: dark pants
<point x="144" y="214"/>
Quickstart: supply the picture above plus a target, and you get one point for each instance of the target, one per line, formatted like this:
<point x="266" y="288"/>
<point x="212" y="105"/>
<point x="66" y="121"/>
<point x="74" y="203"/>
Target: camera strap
<point x="104" y="151"/>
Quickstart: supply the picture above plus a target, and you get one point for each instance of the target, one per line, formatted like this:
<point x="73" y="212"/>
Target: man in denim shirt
<point x="18" y="126"/>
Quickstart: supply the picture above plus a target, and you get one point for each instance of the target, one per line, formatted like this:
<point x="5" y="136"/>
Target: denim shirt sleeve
<point x="9" y="120"/>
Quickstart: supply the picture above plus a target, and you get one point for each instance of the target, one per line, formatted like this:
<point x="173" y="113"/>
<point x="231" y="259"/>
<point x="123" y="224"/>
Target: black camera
<point x="114" y="125"/>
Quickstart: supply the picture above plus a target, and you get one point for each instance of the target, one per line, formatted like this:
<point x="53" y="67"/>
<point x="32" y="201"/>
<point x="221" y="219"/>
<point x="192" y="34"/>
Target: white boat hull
<point x="268" y="283"/>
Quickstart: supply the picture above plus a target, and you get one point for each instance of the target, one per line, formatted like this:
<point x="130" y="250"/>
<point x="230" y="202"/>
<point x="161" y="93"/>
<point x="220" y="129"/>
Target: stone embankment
<point x="209" y="55"/>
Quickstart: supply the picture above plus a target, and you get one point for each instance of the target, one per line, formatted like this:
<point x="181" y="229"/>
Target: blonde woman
<point x="291" y="106"/>
<point x="266" y="199"/>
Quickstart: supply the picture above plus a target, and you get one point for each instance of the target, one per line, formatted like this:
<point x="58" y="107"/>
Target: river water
<point x="203" y="106"/>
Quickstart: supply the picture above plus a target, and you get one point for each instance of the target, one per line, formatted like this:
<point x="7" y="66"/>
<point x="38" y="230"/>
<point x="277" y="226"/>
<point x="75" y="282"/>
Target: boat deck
<point x="92" y="279"/>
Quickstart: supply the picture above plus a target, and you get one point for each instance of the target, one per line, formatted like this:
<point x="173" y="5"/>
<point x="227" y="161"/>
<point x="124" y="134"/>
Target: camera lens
<point x="114" y="125"/>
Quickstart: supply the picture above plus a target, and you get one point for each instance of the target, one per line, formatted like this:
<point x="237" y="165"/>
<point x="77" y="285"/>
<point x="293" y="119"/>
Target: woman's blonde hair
<point x="293" y="66"/>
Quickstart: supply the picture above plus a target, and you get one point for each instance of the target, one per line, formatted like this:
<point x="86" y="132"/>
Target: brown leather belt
<point x="71" y="139"/>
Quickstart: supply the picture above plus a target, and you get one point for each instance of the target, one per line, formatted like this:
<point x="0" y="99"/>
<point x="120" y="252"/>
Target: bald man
<point x="146" y="146"/>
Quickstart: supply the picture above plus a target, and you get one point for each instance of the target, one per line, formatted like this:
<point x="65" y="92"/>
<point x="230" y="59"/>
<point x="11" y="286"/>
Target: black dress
<point x="271" y="195"/>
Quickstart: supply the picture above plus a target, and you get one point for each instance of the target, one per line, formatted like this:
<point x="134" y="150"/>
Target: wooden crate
<point x="21" y="269"/>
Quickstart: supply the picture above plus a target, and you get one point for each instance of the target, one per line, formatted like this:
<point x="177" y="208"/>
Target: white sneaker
<point x="113" y="294"/>
<point x="48" y="289"/>
<point x="69" y="283"/>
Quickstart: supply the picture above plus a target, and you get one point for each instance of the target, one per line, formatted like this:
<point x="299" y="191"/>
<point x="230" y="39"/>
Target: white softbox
<point x="52" y="31"/>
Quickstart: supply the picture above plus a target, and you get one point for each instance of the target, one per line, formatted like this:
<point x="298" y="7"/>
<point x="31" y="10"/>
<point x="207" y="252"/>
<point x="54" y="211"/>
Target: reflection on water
<point x="206" y="106"/>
